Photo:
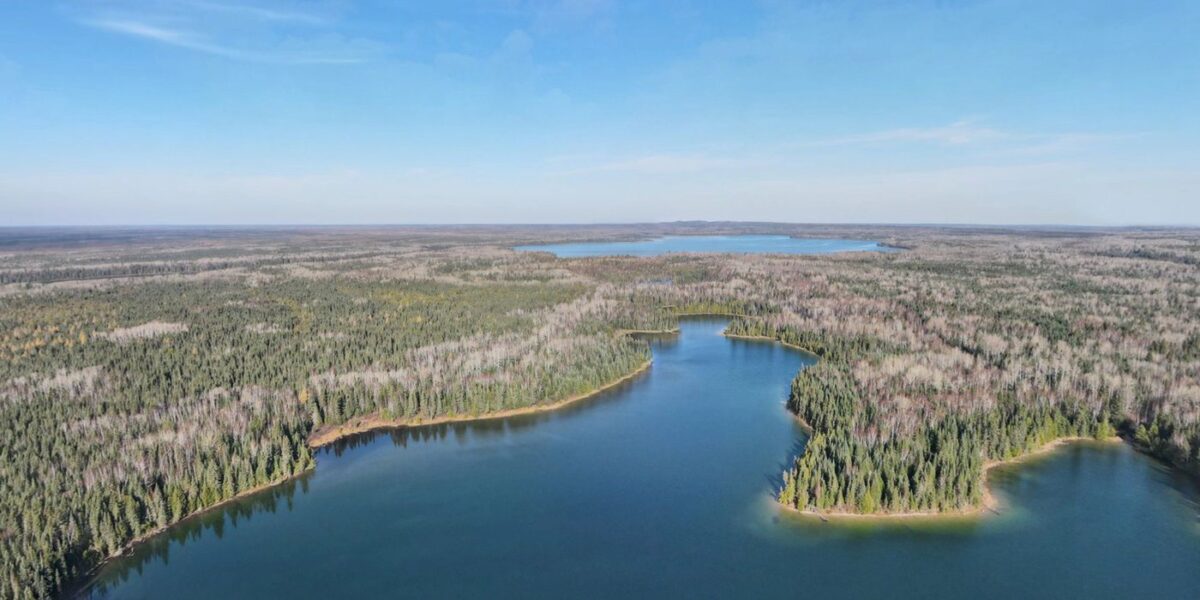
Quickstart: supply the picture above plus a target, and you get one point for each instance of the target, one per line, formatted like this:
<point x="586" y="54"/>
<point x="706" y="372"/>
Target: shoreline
<point x="319" y="438"/>
<point x="621" y="332"/>
<point x="763" y="338"/>
<point x="87" y="578"/>
<point x="989" y="504"/>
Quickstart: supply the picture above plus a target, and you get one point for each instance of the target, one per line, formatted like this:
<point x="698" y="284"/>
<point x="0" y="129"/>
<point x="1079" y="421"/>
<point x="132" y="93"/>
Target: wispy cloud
<point x="256" y="12"/>
<point x="971" y="133"/>
<point x="163" y="35"/>
<point x="250" y="32"/>
<point x="983" y="142"/>
<point x="1070" y="142"/>
<point x="182" y="39"/>
<point x="955" y="134"/>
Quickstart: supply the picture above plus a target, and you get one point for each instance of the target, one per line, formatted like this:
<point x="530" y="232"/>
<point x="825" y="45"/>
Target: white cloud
<point x="969" y="133"/>
<point x="166" y="36"/>
<point x="956" y="133"/>
<point x="239" y="32"/>
<point x="256" y="12"/>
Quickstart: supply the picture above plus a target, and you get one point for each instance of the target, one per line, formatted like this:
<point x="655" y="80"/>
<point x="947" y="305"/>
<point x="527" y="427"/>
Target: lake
<point x="661" y="487"/>
<point x="736" y="244"/>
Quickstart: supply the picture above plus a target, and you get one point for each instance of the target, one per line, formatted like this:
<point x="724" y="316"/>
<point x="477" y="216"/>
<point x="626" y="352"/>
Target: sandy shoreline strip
<point x="763" y="338"/>
<point x="328" y="435"/>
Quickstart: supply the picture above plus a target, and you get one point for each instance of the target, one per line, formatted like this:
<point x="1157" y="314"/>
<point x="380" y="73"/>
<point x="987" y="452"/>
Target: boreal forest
<point x="146" y="375"/>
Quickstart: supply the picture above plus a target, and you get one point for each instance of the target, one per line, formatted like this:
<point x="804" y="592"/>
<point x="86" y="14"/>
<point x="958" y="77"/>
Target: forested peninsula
<point x="145" y="376"/>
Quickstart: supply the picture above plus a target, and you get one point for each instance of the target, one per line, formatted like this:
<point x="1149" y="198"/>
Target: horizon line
<point x="596" y="224"/>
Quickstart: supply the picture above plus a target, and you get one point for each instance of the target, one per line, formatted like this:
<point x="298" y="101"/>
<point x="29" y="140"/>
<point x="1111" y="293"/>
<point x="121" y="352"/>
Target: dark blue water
<point x="662" y="488"/>
<point x="736" y="244"/>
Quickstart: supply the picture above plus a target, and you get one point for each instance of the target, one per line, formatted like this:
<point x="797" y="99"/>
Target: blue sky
<point x="338" y="111"/>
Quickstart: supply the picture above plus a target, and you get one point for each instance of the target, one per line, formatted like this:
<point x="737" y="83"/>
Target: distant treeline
<point x="53" y="274"/>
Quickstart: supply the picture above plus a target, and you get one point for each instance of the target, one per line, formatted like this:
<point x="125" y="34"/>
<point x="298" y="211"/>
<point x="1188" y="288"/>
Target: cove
<point x="661" y="487"/>
<point x="735" y="244"/>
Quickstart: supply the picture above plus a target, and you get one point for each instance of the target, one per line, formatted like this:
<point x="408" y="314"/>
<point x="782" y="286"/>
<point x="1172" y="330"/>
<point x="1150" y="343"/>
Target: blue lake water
<point x="661" y="488"/>
<point x="736" y="244"/>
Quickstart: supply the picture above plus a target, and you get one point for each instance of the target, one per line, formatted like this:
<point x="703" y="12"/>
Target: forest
<point x="144" y="378"/>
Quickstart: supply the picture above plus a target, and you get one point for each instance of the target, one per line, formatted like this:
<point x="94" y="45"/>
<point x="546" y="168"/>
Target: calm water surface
<point x="661" y="488"/>
<point x="737" y="244"/>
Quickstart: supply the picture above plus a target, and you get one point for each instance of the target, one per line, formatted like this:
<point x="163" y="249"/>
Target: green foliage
<point x="855" y="461"/>
<point x="163" y="374"/>
<point x="130" y="407"/>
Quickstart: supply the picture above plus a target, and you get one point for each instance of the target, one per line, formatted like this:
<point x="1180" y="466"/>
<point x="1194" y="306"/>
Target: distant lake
<point x="736" y="244"/>
<point x="662" y="488"/>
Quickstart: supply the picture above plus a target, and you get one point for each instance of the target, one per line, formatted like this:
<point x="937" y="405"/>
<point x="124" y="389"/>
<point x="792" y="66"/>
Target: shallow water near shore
<point x="661" y="487"/>
<point x="735" y="244"/>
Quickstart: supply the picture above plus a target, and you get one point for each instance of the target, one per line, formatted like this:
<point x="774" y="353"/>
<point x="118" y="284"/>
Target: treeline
<point x="536" y="382"/>
<point x="850" y="464"/>
<point x="835" y="349"/>
<point x="1144" y="252"/>
<point x="64" y="515"/>
<point x="962" y="350"/>
<point x="1170" y="438"/>
<point x="127" y="405"/>
<point x="81" y="272"/>
<point x="124" y="409"/>
<point x="856" y="460"/>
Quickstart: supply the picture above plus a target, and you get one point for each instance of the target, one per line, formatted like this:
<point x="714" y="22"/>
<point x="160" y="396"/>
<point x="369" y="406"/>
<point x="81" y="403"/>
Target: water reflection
<point x="662" y="487"/>
<point x="157" y="549"/>
<point x="466" y="432"/>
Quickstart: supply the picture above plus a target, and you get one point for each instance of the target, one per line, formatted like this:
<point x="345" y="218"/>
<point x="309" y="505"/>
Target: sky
<point x="599" y="111"/>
